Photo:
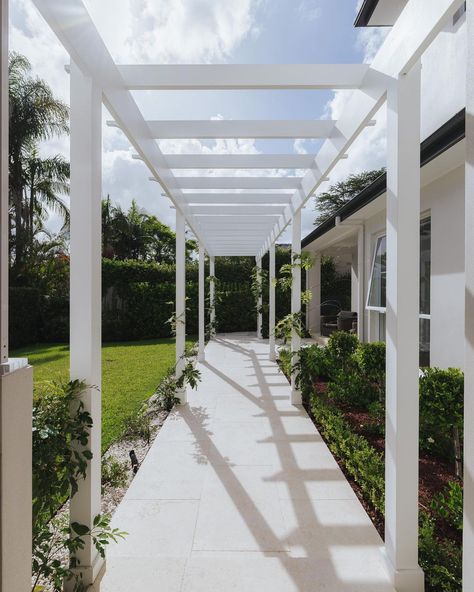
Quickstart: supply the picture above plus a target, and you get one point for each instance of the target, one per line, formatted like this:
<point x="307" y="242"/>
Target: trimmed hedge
<point x="24" y="316"/>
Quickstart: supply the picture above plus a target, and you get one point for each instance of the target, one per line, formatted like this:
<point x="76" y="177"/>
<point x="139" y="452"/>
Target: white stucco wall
<point x="443" y="77"/>
<point x="444" y="201"/>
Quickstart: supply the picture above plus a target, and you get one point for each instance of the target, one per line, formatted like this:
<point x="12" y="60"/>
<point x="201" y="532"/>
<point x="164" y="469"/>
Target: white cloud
<point x="309" y="10"/>
<point x="174" y="31"/>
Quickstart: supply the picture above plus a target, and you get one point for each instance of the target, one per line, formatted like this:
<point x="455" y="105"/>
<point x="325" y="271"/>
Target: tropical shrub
<point x="312" y="365"/>
<point x="352" y="388"/>
<point x="341" y="348"/>
<point x="441" y="413"/>
<point x="447" y="506"/>
<point x="370" y="359"/>
<point x="61" y="428"/>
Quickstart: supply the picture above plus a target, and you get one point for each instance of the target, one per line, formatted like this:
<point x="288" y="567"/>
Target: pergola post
<point x="258" y="262"/>
<point x="202" y="320"/>
<point x="295" y="298"/>
<point x="212" y="296"/>
<point x="403" y="280"/>
<point x="468" y="528"/>
<point x="180" y="299"/>
<point x="360" y="282"/>
<point x="272" y="302"/>
<point x="85" y="298"/>
<point x="16" y="391"/>
<point x="313" y="320"/>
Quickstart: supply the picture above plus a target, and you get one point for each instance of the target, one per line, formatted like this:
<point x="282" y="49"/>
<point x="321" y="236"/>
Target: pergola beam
<point x="243" y="76"/>
<point x="415" y="29"/>
<point x="229" y="129"/>
<point x="235" y="209"/>
<point x="237" y="198"/>
<point x="239" y="161"/>
<point x="72" y="24"/>
<point x="268" y="183"/>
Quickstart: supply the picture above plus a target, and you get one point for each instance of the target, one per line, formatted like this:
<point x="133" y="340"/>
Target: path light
<point x="134" y="461"/>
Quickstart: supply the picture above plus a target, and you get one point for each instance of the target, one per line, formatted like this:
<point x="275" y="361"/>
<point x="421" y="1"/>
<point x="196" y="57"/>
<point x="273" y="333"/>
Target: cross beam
<point x="229" y="129"/>
<point x="243" y="76"/>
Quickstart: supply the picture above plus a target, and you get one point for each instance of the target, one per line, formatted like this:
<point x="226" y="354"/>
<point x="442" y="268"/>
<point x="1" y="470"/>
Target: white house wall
<point x="443" y="199"/>
<point x="443" y="78"/>
<point x="446" y="200"/>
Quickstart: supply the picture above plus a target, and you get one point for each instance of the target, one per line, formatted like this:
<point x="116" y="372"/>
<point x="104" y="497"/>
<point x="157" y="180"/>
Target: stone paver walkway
<point x="239" y="493"/>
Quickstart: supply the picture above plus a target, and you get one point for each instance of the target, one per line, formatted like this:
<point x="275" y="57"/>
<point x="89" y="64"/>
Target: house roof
<point x="449" y="134"/>
<point x="379" y="13"/>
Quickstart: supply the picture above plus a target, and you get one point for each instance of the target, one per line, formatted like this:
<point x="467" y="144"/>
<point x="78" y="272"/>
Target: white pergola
<point x="245" y="215"/>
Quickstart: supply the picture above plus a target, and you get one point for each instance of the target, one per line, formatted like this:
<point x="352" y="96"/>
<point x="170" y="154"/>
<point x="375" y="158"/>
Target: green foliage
<point x="447" y="506"/>
<point x="60" y="435"/>
<point x="312" y="365"/>
<point x="114" y="473"/>
<point x="24" y="316"/>
<point x="352" y="388"/>
<point x="285" y="327"/>
<point x="138" y="425"/>
<point x="341" y="348"/>
<point x="61" y="429"/>
<point x="168" y="388"/>
<point x="363" y="463"/>
<point x="441" y="411"/>
<point x="328" y="203"/>
<point x="440" y="559"/>
<point x="284" y="359"/>
<point x="335" y="285"/>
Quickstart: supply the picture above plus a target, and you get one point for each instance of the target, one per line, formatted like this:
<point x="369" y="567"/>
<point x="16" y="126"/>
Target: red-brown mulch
<point x="434" y="473"/>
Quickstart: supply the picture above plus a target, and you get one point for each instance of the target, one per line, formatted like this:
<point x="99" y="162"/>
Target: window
<point x="378" y="278"/>
<point x="376" y="300"/>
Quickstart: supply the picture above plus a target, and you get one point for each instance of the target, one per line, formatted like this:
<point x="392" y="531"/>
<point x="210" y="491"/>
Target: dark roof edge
<point x="365" y="13"/>
<point x="444" y="138"/>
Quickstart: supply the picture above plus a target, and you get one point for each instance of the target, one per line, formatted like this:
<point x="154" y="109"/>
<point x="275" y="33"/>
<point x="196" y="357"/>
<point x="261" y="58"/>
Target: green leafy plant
<point x="285" y="327"/>
<point x="312" y="365"/>
<point x="352" y="388"/>
<point x="448" y="505"/>
<point x="61" y="429"/>
<point x="114" y="473"/>
<point x="341" y="348"/>
<point x="138" y="425"/>
<point x="168" y="388"/>
<point x="441" y="413"/>
<point x="370" y="358"/>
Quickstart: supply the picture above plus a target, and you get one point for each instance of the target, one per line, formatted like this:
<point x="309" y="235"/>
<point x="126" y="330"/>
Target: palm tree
<point x="35" y="115"/>
<point x="46" y="179"/>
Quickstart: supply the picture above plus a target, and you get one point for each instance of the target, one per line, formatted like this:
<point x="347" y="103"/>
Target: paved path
<point x="239" y="493"/>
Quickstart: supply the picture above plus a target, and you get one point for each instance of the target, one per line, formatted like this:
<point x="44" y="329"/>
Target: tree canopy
<point x="327" y="204"/>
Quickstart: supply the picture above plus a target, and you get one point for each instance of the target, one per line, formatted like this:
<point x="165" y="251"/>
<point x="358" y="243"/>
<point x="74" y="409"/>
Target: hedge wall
<point x="136" y="301"/>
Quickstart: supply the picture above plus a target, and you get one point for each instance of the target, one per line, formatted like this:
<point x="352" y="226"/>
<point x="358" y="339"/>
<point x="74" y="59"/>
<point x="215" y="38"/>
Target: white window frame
<point x="376" y="237"/>
<point x="380" y="309"/>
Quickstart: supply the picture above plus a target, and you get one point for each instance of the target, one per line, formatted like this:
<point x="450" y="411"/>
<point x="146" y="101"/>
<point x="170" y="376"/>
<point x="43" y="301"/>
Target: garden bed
<point x="343" y="389"/>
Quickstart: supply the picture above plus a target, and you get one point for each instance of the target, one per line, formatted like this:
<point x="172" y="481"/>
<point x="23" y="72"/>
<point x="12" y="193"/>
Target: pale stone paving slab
<point x="240" y="492"/>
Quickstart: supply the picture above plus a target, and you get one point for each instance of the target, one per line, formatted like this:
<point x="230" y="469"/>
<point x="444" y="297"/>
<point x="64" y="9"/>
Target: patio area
<point x="240" y="488"/>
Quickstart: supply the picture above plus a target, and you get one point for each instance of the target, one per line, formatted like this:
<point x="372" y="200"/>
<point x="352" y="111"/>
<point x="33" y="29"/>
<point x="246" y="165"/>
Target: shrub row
<point x="441" y="559"/>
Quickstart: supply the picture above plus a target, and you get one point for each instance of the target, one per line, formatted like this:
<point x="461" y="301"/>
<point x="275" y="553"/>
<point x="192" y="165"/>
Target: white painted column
<point x="258" y="262"/>
<point x="272" y="303"/>
<point x="360" y="282"/>
<point x="295" y="296"/>
<point x="403" y="268"/>
<point x="85" y="299"/>
<point x="16" y="392"/>
<point x="202" y="310"/>
<point x="468" y="530"/>
<point x="180" y="299"/>
<point x="212" y="295"/>
<point x="314" y="306"/>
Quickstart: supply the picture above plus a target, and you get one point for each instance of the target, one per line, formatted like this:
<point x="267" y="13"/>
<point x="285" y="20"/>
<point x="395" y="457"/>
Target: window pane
<point x="425" y="266"/>
<point x="424" y="343"/>
<point x="377" y="293"/>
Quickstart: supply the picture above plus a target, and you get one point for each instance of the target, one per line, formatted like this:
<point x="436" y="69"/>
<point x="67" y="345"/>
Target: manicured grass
<point x="131" y="371"/>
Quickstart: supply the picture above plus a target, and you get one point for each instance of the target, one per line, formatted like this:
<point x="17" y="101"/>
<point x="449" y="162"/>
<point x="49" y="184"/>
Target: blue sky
<point x="211" y="31"/>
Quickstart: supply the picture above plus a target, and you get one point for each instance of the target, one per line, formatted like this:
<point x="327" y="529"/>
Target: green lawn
<point x="131" y="371"/>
